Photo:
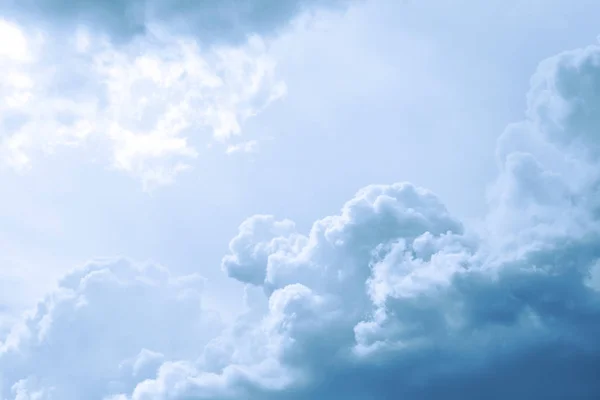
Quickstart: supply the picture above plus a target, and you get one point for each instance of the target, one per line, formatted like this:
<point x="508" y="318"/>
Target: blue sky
<point x="212" y="200"/>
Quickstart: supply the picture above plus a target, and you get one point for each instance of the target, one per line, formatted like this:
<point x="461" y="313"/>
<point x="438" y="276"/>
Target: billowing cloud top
<point x="108" y="325"/>
<point x="391" y="298"/>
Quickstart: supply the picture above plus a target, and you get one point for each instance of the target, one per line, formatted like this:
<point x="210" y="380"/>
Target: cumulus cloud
<point x="390" y="298"/>
<point x="107" y="326"/>
<point x="393" y="297"/>
<point x="147" y="101"/>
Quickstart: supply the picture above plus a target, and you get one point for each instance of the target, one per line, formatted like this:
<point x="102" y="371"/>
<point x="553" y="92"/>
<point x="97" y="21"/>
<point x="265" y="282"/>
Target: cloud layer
<point x="225" y="21"/>
<point x="149" y="102"/>
<point x="391" y="298"/>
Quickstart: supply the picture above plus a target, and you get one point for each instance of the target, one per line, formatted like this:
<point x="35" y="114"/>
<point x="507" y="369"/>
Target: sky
<point x="330" y="199"/>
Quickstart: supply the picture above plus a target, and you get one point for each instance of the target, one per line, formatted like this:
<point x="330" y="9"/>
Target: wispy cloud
<point x="148" y="101"/>
<point x="250" y="146"/>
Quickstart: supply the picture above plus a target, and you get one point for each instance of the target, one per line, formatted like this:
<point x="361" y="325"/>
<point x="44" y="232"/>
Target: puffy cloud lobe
<point x="549" y="162"/>
<point x="338" y="248"/>
<point x="107" y="326"/>
<point x="150" y="101"/>
<point x="393" y="298"/>
<point x="225" y="21"/>
<point x="318" y="282"/>
<point x="253" y="245"/>
<point x="565" y="97"/>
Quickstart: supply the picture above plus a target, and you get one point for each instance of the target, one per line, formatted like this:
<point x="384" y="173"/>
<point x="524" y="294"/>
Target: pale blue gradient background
<point x="388" y="91"/>
<point x="393" y="295"/>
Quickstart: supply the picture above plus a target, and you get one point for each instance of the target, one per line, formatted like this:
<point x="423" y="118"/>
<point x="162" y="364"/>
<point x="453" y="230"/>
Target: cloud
<point x="220" y="22"/>
<point x="393" y="297"/>
<point x="108" y="325"/>
<point x="147" y="102"/>
<point x="390" y="298"/>
<point x="250" y="146"/>
<point x="147" y="78"/>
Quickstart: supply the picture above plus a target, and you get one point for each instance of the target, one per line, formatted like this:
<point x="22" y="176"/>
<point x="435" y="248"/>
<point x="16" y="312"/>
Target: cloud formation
<point x="107" y="326"/>
<point x="391" y="298"/>
<point x="148" y="101"/>
<point x="147" y="78"/>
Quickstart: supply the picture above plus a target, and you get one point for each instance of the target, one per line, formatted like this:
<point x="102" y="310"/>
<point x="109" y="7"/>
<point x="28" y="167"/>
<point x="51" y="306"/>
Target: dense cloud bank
<point x="391" y="298"/>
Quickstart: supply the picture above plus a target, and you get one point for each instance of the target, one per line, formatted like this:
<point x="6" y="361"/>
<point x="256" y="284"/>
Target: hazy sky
<point x="177" y="141"/>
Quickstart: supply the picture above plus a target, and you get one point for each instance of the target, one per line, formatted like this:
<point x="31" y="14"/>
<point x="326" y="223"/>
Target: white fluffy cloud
<point x="107" y="326"/>
<point x="390" y="298"/>
<point x="148" y="100"/>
